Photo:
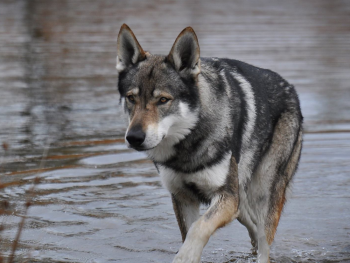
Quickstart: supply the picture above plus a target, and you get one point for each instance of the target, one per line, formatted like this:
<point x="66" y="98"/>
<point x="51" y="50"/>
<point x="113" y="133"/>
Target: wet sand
<point x="101" y="202"/>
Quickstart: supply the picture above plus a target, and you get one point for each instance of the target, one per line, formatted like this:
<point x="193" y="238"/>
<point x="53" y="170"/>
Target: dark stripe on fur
<point x="202" y="196"/>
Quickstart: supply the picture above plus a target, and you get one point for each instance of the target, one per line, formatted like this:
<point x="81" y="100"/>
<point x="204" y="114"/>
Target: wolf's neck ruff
<point x="174" y="129"/>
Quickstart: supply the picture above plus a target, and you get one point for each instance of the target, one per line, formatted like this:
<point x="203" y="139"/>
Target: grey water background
<point x="101" y="202"/>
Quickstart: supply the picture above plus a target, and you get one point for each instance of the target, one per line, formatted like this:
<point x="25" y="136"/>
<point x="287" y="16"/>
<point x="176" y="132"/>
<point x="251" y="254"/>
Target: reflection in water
<point x="101" y="211"/>
<point x="99" y="201"/>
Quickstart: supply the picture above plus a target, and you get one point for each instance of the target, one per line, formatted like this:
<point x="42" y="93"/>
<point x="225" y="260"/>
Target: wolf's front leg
<point x="186" y="211"/>
<point x="223" y="209"/>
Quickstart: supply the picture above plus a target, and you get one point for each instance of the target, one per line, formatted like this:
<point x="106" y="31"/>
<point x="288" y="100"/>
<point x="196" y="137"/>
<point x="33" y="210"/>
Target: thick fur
<point x="220" y="132"/>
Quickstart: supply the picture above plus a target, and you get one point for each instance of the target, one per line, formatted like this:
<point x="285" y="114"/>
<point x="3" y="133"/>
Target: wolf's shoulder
<point x="266" y="86"/>
<point x="245" y="69"/>
<point x="262" y="80"/>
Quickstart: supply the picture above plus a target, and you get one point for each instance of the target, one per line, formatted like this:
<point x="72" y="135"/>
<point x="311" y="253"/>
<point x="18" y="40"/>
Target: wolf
<point x="219" y="131"/>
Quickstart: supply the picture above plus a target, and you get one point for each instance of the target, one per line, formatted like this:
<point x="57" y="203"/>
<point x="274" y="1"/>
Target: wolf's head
<point x="159" y="93"/>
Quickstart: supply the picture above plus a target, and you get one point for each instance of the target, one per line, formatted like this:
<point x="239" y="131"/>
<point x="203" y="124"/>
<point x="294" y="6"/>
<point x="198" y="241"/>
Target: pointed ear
<point x="129" y="51"/>
<point x="184" y="55"/>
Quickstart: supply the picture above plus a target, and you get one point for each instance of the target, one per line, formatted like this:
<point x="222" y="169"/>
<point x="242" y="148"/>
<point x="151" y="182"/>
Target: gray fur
<point x="229" y="135"/>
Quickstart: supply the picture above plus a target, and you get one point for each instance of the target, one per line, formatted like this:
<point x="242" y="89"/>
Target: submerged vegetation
<point x="7" y="208"/>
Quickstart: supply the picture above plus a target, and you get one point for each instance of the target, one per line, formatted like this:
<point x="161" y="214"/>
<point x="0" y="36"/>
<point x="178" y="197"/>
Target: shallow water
<point x="98" y="201"/>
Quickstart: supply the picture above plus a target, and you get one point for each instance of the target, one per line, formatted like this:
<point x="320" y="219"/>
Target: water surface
<point x="98" y="201"/>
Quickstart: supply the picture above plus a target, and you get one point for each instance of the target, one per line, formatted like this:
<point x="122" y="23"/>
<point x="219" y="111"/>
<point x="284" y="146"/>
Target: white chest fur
<point x="207" y="180"/>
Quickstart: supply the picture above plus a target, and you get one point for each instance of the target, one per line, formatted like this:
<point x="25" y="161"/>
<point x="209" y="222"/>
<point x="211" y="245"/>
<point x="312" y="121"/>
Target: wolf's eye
<point x="131" y="98"/>
<point x="163" y="100"/>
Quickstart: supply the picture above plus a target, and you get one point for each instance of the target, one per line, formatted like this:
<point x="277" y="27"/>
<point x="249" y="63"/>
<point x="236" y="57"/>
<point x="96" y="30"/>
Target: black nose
<point x="136" y="137"/>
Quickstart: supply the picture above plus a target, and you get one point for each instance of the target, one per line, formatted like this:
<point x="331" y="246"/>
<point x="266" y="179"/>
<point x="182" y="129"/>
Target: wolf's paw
<point x="186" y="259"/>
<point x="188" y="254"/>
